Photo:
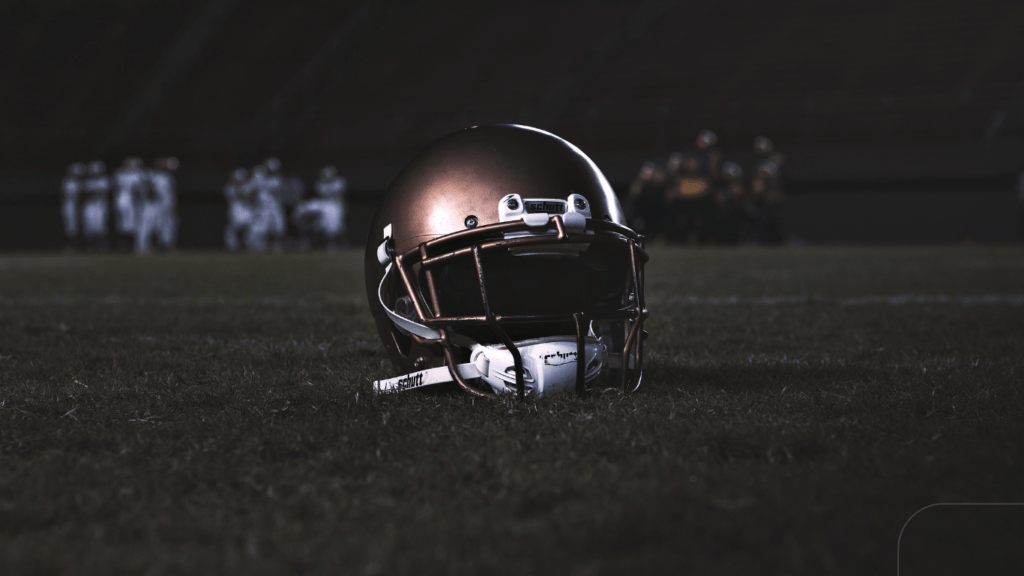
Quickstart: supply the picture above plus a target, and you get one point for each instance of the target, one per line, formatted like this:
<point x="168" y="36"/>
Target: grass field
<point x="212" y="413"/>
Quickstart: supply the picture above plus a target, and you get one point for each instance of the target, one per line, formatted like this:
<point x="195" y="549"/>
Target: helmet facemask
<point x="512" y="306"/>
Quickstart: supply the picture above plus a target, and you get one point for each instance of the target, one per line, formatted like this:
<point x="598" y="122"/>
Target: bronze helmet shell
<point x="454" y="187"/>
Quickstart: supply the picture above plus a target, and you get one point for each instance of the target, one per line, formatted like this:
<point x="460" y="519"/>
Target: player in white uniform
<point x="268" y="223"/>
<point x="273" y="186"/>
<point x="129" y="184"/>
<point x="324" y="216"/>
<point x="159" y="207"/>
<point x="95" y="193"/>
<point x="70" y="193"/>
<point x="243" y="228"/>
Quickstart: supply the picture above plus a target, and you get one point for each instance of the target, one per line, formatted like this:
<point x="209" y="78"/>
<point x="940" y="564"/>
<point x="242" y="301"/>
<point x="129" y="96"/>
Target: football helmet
<point x="500" y="261"/>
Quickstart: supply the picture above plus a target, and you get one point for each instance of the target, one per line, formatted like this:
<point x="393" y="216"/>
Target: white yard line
<point x="894" y="300"/>
<point x="931" y="363"/>
<point x="184" y="301"/>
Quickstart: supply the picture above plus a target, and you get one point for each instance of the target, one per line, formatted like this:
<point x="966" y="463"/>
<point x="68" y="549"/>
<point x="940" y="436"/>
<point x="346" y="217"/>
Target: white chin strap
<point x="549" y="366"/>
<point x="400" y="321"/>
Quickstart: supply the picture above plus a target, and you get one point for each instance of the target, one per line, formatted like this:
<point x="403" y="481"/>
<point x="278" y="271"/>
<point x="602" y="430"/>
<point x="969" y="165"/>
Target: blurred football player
<point x="129" y="182"/>
<point x="293" y="190"/>
<point x="729" y="196"/>
<point x="763" y="147"/>
<point x="689" y="202"/>
<point x="70" y="193"/>
<point x="674" y="164"/>
<point x="708" y="155"/>
<point x="646" y="199"/>
<point x="256" y="193"/>
<point x="95" y="198"/>
<point x="323" y="218"/>
<point x="241" y="209"/>
<point x="273" y="186"/>
<point x="268" y="225"/>
<point x="765" y="202"/>
<point x="768" y="180"/>
<point x="158" y="216"/>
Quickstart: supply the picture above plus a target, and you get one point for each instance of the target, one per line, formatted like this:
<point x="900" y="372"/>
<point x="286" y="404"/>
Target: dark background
<point x="901" y="121"/>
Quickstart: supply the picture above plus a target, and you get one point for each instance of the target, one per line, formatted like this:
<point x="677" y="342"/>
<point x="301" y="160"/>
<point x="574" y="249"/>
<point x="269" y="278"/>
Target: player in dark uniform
<point x="760" y="221"/>
<point x="768" y="197"/>
<point x="684" y="197"/>
<point x="729" y="195"/>
<point x="71" y="198"/>
<point x="768" y="177"/>
<point x="691" y="193"/>
<point x="709" y="157"/>
<point x="646" y="200"/>
<point x="708" y="154"/>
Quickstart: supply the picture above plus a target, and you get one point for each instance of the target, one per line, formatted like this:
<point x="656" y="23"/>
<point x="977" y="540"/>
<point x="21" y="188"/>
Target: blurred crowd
<point x="143" y="201"/>
<point x="697" y="198"/>
<point x="135" y="207"/>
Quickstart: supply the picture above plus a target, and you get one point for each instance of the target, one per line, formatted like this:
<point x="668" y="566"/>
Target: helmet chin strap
<point x="400" y="321"/>
<point x="549" y="365"/>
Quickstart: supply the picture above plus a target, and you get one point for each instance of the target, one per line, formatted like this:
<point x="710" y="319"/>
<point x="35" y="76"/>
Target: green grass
<point x="212" y="413"/>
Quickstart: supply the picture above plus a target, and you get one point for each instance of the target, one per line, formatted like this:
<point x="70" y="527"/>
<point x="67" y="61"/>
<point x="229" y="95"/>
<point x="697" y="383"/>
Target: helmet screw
<point x="418" y="363"/>
<point x="471" y="221"/>
<point x="581" y="203"/>
<point x="512" y="204"/>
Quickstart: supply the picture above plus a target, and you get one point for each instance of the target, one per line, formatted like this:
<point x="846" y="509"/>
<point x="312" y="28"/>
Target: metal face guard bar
<point x="517" y="358"/>
<point x="581" y="353"/>
<point x="633" y="315"/>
